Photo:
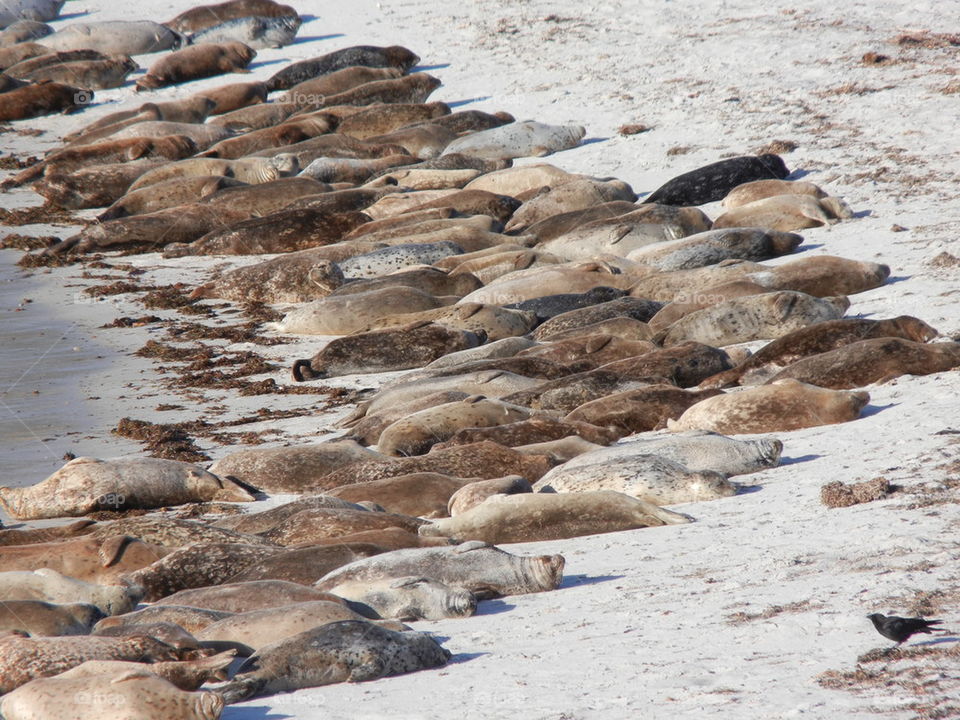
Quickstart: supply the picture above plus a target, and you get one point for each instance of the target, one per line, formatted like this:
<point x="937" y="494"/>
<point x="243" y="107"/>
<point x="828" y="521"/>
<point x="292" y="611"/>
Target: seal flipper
<point x="240" y="689"/>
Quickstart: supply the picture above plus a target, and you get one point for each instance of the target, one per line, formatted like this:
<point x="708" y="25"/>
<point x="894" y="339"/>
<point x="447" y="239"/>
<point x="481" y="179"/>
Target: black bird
<point x="900" y="629"/>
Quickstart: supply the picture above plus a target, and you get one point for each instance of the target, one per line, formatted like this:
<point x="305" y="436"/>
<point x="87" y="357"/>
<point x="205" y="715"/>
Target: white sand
<point x="643" y="623"/>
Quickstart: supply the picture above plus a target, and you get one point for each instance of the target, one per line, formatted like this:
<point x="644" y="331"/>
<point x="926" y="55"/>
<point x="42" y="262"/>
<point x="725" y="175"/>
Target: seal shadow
<point x="896" y="279"/>
<point x="493" y="607"/>
<point x="797" y="174"/>
<point x="938" y="641"/>
<point x="863" y="213"/>
<point x="592" y="141"/>
<point x="313" y="38"/>
<point x="747" y="489"/>
<point x="72" y="16"/>
<point x="232" y="712"/>
<point x="806" y="246"/>
<point x="870" y="410"/>
<point x="428" y="68"/>
<point x="460" y="103"/>
<point x="577" y="580"/>
<point x="799" y="459"/>
<point x="464" y="657"/>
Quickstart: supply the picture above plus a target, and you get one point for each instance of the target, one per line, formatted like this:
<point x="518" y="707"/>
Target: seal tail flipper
<point x="303" y="370"/>
<point x="240" y="689"/>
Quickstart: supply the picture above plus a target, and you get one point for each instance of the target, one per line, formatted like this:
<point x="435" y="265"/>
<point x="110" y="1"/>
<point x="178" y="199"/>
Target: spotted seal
<point x="714" y="181"/>
<point x="38" y="617"/>
<point x="519" y="139"/>
<point x="368" y="55"/>
<point x="254" y="31"/>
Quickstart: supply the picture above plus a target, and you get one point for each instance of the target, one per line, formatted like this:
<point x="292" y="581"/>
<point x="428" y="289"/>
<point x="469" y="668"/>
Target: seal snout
<point x="463" y="604"/>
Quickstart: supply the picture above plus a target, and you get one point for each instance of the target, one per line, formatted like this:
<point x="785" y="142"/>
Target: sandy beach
<point x="757" y="609"/>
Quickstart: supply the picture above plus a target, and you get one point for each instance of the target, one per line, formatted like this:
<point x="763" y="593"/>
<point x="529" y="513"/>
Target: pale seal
<point x="191" y="619"/>
<point x="37" y="617"/>
<point x="50" y="586"/>
<point x="575" y="194"/>
<point x="254" y="31"/>
<point x="86" y="484"/>
<point x="478" y="567"/>
<point x="532" y="517"/>
<point x="116" y="37"/>
<point x="784" y="405"/>
<point x="474" y="493"/>
<point x="246" y="596"/>
<point x="518" y="139"/>
<point x="786" y="213"/>
<point x="184" y="674"/>
<point x="650" y="478"/>
<point x="86" y="558"/>
<point x="760" y="189"/>
<point x="408" y="598"/>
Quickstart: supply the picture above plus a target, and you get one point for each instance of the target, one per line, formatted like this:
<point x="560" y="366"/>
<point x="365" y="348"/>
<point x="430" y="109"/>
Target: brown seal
<point x="264" y="198"/>
<point x="247" y="596"/>
<point x="234" y="96"/>
<point x="274" y="140"/>
<point x="536" y="429"/>
<point x="86" y="558"/>
<point x="92" y="74"/>
<point x="313" y="93"/>
<point x="184" y="674"/>
<point x="785" y="213"/>
<point x="419" y="494"/>
<point x="378" y="119"/>
<point x="482" y="460"/>
<point x="96" y="186"/>
<point x="256" y="117"/>
<point x="639" y="410"/>
<point x="279" y="232"/>
<point x="10" y="56"/>
<point x="191" y="619"/>
<point x="760" y="189"/>
<point x="415" y="88"/>
<point x="168" y="194"/>
<point x="265" y="520"/>
<point x="682" y="306"/>
<point x="37" y="617"/>
<point x="870" y="361"/>
<point x="24" y="68"/>
<point x="385" y="350"/>
<point x="310" y="526"/>
<point x="686" y="364"/>
<point x="784" y="405"/>
<point x="202" y="17"/>
<point x="820" y="338"/>
<point x="306" y="565"/>
<point x="592" y="350"/>
<point x="197" y="61"/>
<point x="171" y="532"/>
<point x="33" y="101"/>
<point x="566" y="394"/>
<point x="188" y="110"/>
<point x="392" y="538"/>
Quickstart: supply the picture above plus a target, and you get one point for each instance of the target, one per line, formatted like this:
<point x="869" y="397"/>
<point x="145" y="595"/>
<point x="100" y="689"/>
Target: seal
<point x="570" y="196"/>
<point x="367" y="430"/>
<point x="494" y="322"/>
<point x="523" y="178"/>
<point x="311" y="93"/>
<point x="264" y="198"/>
<point x="203" y="135"/>
<point x="386" y="539"/>
<point x="86" y="484"/>
<point x="189" y="110"/>
<point x="409" y="598"/>
<point x="23" y="31"/>
<point x="37" y="10"/>
<point x="783" y="405"/>
<point x="397" y="257"/>
<point x="382" y="351"/>
<point x="418" y="494"/>
<point x="519" y="139"/>
<point x="382" y="118"/>
<point x="753" y="317"/>
<point x="197" y="61"/>
<point x="682" y="306"/>
<point x="251" y="171"/>
<point x="697" y="450"/>
<point x="619" y="233"/>
<point x="415" y="88"/>
<point x="262" y="117"/>
<point x="25" y="659"/>
<point x="488" y="265"/>
<point x="588" y="310"/>
<point x="483" y="460"/>
<point x="639" y="410"/>
<point x="815" y="339"/>
<point x="425" y="140"/>
<point x="45" y="697"/>
<point x="650" y="478"/>
<point x="713" y="246"/>
<point x="37" y="617"/>
<point x="50" y="586"/>
<point x="197" y="565"/>
<point x="96" y="186"/>
<point x="470" y="121"/>
<point x="118" y="151"/>
<point x="279" y="232"/>
<point x="714" y="181"/>
<point x="474" y="493"/>
<point x="167" y="194"/>
<point x="345" y="314"/>
<point x="346" y="651"/>
<point x="243" y="597"/>
<point x="871" y="361"/>
<point x="366" y="55"/>
<point x="306" y="565"/>
<point x="538" y="282"/>
<point x="184" y="674"/>
<point x="91" y="74"/>
<point x="10" y="56"/>
<point x="204" y="16"/>
<point x="536" y="429"/>
<point x="550" y="516"/>
<point x="684" y="365"/>
<point x="32" y="101"/>
<point x="322" y="523"/>
<point x="259" y="628"/>
<point x="116" y="37"/>
<point x="191" y="619"/>
<point x="87" y="558"/>
<point x="760" y="189"/>
<point x="168" y="633"/>
<point x="234" y="96"/>
<point x="482" y="569"/>
<point x="566" y="394"/>
<point x="352" y="170"/>
<point x="287" y="469"/>
<point x="786" y="213"/>
<point x="508" y="347"/>
<point x="588" y="351"/>
<point x="254" y="31"/>
<point x="417" y="433"/>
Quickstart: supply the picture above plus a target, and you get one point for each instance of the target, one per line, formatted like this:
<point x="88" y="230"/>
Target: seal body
<point x="197" y="61"/>
<point x="204" y="16"/>
<point x="50" y="586"/>
<point x="38" y="10"/>
<point x="714" y="181"/>
<point x="32" y="101"/>
<point x="367" y="55"/>
<point x="520" y="139"/>
<point x="116" y="37"/>
<point x="254" y="31"/>
<point x="37" y="617"/>
<point x="246" y="596"/>
<point x="409" y="598"/>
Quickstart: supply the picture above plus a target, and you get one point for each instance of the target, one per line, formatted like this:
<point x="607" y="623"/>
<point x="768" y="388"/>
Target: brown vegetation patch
<point x="944" y="260"/>
<point x="837" y="494"/>
<point x="117" y="288"/>
<point x="245" y="332"/>
<point x="11" y="162"/>
<point x="17" y="241"/>
<point x="634" y="129"/>
<point x="926" y="39"/>
<point x="772" y="611"/>
<point x="33" y="260"/>
<point x="777" y="147"/>
<point x="45" y="213"/>
<point x="125" y="322"/>
<point x="679" y="150"/>
<point x="167" y="297"/>
<point x="170" y="441"/>
<point x="872" y="58"/>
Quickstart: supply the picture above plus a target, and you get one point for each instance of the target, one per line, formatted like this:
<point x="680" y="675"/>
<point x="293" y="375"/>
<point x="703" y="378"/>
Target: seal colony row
<point x="575" y="362"/>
